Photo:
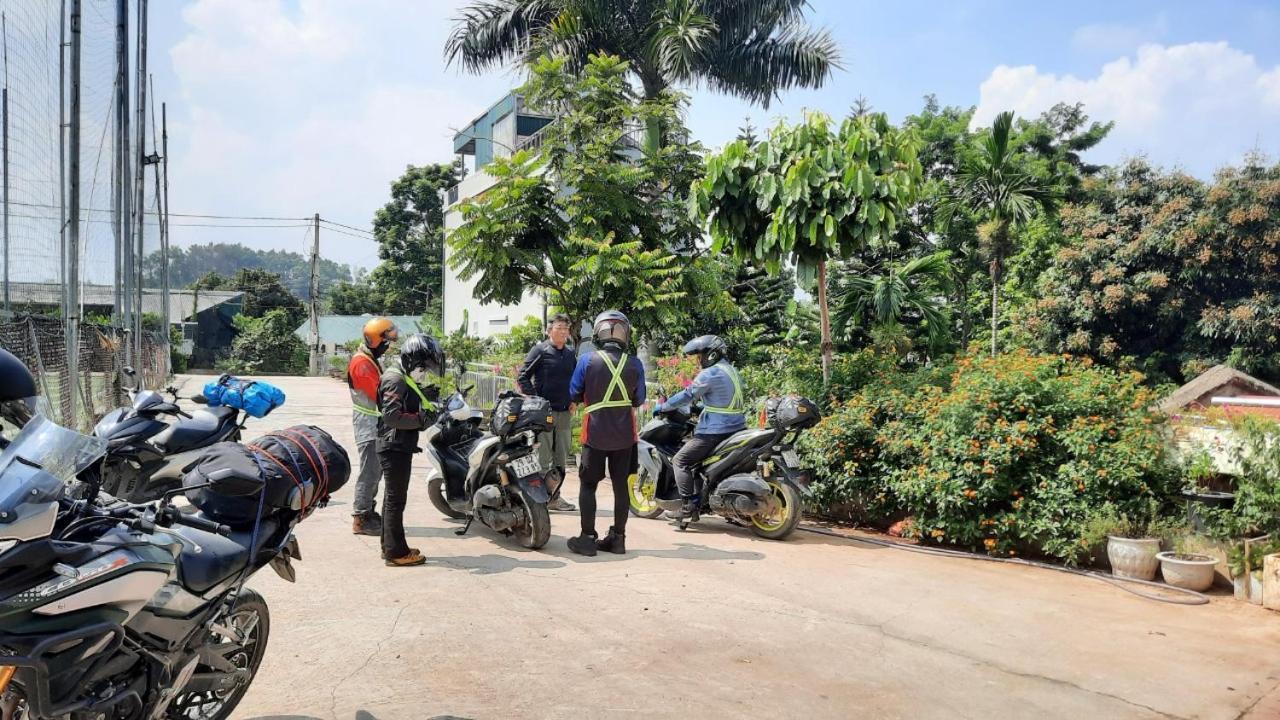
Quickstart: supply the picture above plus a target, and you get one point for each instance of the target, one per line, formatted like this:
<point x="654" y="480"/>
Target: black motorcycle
<point x="752" y="478"/>
<point x="494" y="477"/>
<point x="151" y="444"/>
<point x="127" y="611"/>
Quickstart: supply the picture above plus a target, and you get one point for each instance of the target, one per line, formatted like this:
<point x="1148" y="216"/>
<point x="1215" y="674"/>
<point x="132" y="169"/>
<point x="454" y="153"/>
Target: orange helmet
<point x="379" y="331"/>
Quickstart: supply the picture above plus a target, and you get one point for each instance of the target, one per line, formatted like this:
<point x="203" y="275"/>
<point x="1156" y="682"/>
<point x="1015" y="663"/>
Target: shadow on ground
<point x="360" y="715"/>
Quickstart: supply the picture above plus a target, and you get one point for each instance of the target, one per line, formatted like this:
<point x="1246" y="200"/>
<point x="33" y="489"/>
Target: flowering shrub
<point x="675" y="373"/>
<point x="1016" y="455"/>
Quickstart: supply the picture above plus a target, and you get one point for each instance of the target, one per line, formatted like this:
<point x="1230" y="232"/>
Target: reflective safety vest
<point x="616" y="382"/>
<point x="359" y="401"/>
<point x="736" y="405"/>
<point x="408" y="380"/>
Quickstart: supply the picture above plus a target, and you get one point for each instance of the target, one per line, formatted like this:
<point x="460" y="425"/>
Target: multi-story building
<point x="504" y="128"/>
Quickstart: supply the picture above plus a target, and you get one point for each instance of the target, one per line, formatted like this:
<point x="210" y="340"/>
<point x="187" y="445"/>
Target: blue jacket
<point x="713" y="386"/>
<point x="611" y="428"/>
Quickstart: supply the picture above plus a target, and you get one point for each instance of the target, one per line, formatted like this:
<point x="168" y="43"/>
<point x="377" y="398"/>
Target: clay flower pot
<point x="1133" y="557"/>
<point x="1187" y="570"/>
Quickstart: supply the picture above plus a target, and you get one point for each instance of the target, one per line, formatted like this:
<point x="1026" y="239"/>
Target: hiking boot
<point x="415" y="557"/>
<point x="367" y="524"/>
<point x="615" y="542"/>
<point x="559" y="504"/>
<point x="583" y="544"/>
<point x="688" y="512"/>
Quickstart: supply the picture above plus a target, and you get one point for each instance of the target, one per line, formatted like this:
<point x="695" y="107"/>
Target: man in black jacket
<point x="406" y="409"/>
<point x="546" y="373"/>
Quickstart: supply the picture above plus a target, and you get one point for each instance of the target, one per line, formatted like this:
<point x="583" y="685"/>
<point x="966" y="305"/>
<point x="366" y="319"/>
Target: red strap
<point x="301" y="490"/>
<point x="300" y="439"/>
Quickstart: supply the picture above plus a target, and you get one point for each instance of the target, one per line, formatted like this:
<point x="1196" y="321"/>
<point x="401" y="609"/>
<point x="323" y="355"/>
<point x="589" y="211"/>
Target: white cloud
<point x="1198" y="105"/>
<point x="293" y="108"/>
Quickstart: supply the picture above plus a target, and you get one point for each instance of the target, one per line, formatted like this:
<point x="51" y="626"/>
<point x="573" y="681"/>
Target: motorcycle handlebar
<point x="200" y="523"/>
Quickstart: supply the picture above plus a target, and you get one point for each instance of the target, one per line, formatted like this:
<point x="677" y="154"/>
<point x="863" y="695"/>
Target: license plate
<point x="791" y="458"/>
<point x="526" y="466"/>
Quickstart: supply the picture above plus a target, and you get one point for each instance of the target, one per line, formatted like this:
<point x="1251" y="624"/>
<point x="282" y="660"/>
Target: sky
<point x="293" y="107"/>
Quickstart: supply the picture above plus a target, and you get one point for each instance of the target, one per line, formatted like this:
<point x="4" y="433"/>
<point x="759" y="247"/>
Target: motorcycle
<point x="495" y="477"/>
<point x="753" y="478"/>
<point x="111" y="609"/>
<point x="148" y="455"/>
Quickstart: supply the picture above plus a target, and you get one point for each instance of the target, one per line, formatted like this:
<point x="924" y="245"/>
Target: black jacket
<point x="403" y="415"/>
<point x="612" y="428"/>
<point x="546" y="373"/>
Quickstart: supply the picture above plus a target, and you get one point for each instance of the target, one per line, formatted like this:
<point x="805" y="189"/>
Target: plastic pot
<point x="1133" y="557"/>
<point x="1209" y="498"/>
<point x="1187" y="570"/>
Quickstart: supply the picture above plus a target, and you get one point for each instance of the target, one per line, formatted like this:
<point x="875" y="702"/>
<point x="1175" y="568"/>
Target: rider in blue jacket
<point x="719" y="388"/>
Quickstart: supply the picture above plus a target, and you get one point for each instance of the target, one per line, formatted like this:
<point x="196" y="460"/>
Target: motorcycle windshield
<point x="38" y="463"/>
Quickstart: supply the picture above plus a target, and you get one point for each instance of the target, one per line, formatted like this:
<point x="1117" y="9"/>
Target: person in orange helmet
<point x="364" y="373"/>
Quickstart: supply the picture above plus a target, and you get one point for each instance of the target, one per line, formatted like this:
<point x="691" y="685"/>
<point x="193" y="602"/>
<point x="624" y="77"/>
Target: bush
<point x="266" y="344"/>
<point x="790" y="370"/>
<point x="1018" y="455"/>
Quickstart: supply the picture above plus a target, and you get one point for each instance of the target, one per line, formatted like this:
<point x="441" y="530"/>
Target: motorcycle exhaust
<point x="741" y="497"/>
<point x="488" y="502"/>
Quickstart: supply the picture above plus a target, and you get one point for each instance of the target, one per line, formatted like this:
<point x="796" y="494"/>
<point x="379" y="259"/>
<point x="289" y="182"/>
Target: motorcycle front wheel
<point x="251" y="619"/>
<point x="641" y="491"/>
<point x="435" y="490"/>
<point x="535" y="531"/>
<point x="786" y="515"/>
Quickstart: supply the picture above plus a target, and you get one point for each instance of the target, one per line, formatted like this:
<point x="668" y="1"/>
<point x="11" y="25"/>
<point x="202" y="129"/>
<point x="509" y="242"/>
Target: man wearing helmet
<point x="719" y="388"/>
<point x="19" y="398"/>
<point x="610" y="384"/>
<point x="406" y="408"/>
<point x="364" y="373"/>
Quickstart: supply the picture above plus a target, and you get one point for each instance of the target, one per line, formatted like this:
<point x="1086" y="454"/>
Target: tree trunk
<point x="825" y="315"/>
<point x="966" y="319"/>
<point x="995" y="304"/>
<point x="652" y="128"/>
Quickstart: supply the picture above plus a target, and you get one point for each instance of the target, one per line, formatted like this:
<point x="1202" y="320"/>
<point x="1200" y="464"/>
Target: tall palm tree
<point x="753" y="49"/>
<point x="1005" y="197"/>
<point x="897" y="294"/>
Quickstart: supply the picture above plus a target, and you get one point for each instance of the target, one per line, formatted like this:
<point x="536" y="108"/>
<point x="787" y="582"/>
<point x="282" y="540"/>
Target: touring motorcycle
<point x="123" y="611"/>
<point x="753" y="478"/>
<point x="495" y="477"/>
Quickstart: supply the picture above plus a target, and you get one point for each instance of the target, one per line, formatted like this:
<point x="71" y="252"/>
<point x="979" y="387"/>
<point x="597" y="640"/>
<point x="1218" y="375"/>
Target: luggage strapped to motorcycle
<point x="616" y="381"/>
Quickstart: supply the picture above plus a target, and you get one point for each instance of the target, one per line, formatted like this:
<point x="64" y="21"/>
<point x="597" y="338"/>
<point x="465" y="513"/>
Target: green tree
<point x="996" y="187"/>
<point x="267" y="344"/>
<point x="809" y="192"/>
<point x="189" y="264"/>
<point x="895" y="295"/>
<point x="263" y="292"/>
<point x="753" y="50"/>
<point x="611" y="239"/>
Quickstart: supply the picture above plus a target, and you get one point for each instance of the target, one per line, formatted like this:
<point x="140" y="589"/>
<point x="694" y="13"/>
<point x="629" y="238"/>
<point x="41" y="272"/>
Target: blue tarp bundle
<point x="255" y="397"/>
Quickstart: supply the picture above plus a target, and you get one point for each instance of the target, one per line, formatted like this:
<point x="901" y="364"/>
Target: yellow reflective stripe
<point x="408" y="379"/>
<point x="736" y="404"/>
<point x="616" y="382"/>
<point x="366" y="411"/>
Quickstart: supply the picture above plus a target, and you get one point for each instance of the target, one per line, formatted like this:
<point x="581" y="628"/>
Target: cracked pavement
<point x="715" y="623"/>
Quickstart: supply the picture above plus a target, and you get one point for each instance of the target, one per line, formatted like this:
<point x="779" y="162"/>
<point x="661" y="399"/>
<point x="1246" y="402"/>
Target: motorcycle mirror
<point x="229" y="482"/>
<point x="200" y="399"/>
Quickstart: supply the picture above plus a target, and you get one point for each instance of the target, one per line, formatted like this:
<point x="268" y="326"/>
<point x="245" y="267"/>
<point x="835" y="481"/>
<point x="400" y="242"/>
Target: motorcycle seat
<point x="201" y="429"/>
<point x="208" y="558"/>
<point x="739" y="438"/>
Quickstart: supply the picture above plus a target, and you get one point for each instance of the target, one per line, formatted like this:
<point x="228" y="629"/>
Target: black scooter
<point x="753" y="478"/>
<point x="147" y="455"/>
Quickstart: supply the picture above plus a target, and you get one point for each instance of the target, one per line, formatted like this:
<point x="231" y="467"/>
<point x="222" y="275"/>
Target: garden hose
<point x="1192" y="597"/>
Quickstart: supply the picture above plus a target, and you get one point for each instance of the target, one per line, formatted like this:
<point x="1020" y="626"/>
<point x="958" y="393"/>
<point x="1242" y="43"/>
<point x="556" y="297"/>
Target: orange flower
<point x="990" y="543"/>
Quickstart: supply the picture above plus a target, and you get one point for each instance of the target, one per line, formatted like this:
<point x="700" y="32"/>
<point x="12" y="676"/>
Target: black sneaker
<point x="615" y="542"/>
<point x="583" y="545"/>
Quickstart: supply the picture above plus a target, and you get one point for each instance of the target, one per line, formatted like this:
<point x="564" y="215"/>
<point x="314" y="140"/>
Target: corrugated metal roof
<point x="183" y="304"/>
<point x="339" y="329"/>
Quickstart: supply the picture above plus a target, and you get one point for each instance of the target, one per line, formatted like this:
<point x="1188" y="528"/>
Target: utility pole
<point x="4" y="155"/>
<point x="140" y="211"/>
<point x="164" y="217"/>
<point x="62" y="156"/>
<point x="315" y="295"/>
<point x="73" y="217"/>
<point x="122" y="196"/>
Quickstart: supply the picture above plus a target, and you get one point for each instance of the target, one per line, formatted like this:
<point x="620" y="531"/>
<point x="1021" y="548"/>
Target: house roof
<point x="183" y="304"/>
<point x="339" y="329"/>
<point x="1210" y="380"/>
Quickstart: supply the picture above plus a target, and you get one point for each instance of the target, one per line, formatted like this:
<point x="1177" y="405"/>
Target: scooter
<point x="495" y="477"/>
<point x="753" y="478"/>
<point x="147" y="455"/>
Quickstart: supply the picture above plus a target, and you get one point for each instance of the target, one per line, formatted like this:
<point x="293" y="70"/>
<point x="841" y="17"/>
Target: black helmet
<point x="612" y="328"/>
<point x="710" y="349"/>
<point x="422" y="352"/>
<point x="18" y="393"/>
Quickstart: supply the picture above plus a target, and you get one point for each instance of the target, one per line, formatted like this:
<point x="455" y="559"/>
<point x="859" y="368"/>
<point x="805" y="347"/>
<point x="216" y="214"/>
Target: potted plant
<point x="1244" y="560"/>
<point x="1202" y="472"/>
<point x="1133" y="539"/>
<point x="1188" y="570"/>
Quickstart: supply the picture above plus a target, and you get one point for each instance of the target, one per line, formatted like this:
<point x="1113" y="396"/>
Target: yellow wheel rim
<point x="778" y="518"/>
<point x="642" y="491"/>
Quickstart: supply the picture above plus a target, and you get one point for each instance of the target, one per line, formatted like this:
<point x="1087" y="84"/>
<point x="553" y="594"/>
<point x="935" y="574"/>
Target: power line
<point x="331" y="222"/>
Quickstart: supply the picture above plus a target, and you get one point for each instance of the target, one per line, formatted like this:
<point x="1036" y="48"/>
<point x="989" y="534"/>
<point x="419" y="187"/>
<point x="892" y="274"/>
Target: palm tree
<point x="899" y="293"/>
<point x="753" y="49"/>
<point x="996" y="189"/>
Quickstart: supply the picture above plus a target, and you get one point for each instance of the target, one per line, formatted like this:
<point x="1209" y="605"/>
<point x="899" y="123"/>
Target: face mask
<point x="420" y="376"/>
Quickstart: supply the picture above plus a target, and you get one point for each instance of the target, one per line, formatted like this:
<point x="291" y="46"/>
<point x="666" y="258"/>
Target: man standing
<point x="719" y="389"/>
<point x="364" y="372"/>
<point x="407" y="408"/>
<point x="546" y="373"/>
<point x="611" y="384"/>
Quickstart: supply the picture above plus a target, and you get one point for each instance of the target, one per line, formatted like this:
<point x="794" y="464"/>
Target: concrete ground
<point x="715" y="623"/>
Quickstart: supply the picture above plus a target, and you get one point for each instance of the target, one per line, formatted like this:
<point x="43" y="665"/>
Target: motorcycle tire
<point x="435" y="490"/>
<point x="778" y="528"/>
<point x="642" y="505"/>
<point x="537" y="527"/>
<point x="250" y="603"/>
